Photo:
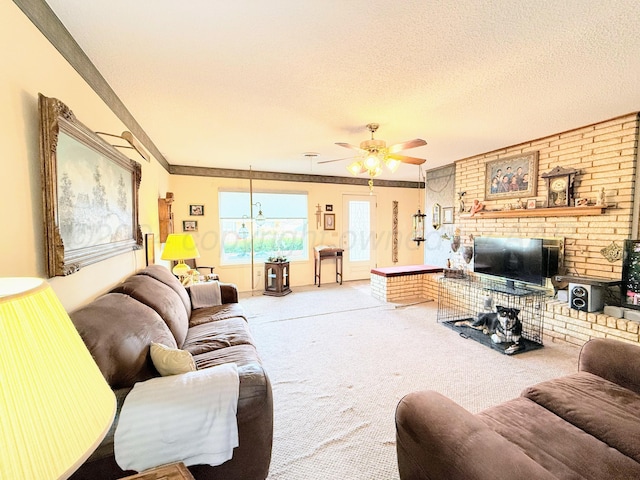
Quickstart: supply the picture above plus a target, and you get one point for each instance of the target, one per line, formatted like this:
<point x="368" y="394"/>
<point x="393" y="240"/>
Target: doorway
<point x="358" y="236"/>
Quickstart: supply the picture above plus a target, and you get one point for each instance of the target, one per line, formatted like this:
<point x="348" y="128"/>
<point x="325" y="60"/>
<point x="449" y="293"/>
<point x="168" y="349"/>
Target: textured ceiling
<point x="234" y="84"/>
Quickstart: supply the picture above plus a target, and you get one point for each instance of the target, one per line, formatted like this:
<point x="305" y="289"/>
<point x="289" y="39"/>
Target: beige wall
<point x="31" y="65"/>
<point x="204" y="190"/>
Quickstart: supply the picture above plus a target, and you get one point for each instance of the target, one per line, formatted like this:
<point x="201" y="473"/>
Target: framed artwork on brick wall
<point x="512" y="177"/>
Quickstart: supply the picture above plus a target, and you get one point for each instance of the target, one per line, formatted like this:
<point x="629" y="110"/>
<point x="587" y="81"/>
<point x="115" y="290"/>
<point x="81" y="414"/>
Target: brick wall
<point x="605" y="155"/>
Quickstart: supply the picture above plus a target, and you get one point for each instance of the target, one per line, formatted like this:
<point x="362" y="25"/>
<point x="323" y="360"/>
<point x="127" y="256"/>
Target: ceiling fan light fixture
<point x="375" y="172"/>
<point x="371" y="161"/>
<point x="356" y="168"/>
<point x="392" y="164"/>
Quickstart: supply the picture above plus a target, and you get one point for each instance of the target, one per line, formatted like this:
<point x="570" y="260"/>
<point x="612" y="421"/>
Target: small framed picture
<point x="447" y="215"/>
<point x="196" y="210"/>
<point x="149" y="248"/>
<point x="531" y="203"/>
<point x="328" y="208"/>
<point x="329" y="221"/>
<point x="189" y="226"/>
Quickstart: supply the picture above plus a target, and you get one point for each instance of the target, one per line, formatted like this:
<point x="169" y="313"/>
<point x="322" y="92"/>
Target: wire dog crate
<point x="460" y="301"/>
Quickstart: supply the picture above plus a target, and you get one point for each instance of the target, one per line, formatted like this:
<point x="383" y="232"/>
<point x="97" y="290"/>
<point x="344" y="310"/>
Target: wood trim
<point x="287" y="177"/>
<point x="539" y="212"/>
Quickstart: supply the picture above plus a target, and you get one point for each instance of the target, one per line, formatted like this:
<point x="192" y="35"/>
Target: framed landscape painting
<point x="90" y="193"/>
<point x="512" y="177"/>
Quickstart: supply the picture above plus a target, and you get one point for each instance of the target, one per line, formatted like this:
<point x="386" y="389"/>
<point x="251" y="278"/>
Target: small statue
<point x="461" y="201"/>
<point x="476" y="207"/>
<point x="600" y="201"/>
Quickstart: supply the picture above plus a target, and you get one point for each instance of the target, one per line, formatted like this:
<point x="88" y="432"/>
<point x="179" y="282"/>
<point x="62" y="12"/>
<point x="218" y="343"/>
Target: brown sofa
<point x="152" y="306"/>
<point x="581" y="426"/>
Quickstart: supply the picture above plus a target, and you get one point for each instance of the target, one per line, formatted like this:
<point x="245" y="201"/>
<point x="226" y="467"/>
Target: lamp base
<point x="181" y="269"/>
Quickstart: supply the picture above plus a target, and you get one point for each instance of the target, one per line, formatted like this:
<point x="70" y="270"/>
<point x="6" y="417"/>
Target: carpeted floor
<point x="340" y="360"/>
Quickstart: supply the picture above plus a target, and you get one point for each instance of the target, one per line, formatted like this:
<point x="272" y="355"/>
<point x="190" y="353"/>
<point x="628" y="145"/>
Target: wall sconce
<point x="417" y="233"/>
<point x="133" y="143"/>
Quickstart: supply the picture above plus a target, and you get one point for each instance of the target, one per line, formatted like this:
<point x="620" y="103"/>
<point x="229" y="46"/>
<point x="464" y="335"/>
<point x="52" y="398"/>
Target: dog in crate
<point x="503" y="325"/>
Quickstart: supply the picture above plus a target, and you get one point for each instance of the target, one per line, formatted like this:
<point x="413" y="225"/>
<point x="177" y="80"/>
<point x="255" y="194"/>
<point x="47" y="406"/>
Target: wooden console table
<point x="322" y="253"/>
<point x="276" y="279"/>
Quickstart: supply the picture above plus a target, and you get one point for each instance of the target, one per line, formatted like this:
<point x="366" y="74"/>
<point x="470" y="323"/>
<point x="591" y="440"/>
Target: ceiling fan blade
<point x="405" y="159"/>
<point x="337" y="159"/>
<point x="352" y="147"/>
<point x="398" y="147"/>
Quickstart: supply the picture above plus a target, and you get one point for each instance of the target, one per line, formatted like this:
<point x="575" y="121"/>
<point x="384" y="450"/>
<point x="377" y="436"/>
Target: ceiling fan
<point x="374" y="153"/>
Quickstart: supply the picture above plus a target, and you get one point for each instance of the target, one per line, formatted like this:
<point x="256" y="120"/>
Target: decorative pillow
<point x="171" y="361"/>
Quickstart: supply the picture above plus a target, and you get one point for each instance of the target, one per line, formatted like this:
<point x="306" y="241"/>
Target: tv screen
<point x="516" y="259"/>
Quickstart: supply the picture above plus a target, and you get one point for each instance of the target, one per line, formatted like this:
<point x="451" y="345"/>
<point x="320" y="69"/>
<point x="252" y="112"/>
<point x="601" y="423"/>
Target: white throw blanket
<point x="205" y="294"/>
<point x="189" y="417"/>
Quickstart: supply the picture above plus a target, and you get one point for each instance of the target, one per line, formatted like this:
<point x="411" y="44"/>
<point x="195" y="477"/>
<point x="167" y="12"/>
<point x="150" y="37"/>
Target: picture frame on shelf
<point x="189" y="225"/>
<point x="531" y="203"/>
<point x="329" y="221"/>
<point x="196" y="210"/>
<point x="90" y="193"/>
<point x="447" y="215"/>
<point x="512" y="177"/>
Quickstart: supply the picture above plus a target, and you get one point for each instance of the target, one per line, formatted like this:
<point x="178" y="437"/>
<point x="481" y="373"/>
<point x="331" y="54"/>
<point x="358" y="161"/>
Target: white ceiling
<point x="234" y="84"/>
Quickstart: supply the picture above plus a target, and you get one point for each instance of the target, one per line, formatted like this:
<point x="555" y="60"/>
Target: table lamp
<point x="55" y="405"/>
<point x="180" y="247"/>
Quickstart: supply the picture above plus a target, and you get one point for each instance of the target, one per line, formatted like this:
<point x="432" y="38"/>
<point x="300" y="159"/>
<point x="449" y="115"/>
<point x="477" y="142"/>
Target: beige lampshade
<point x="180" y="247"/>
<point x="55" y="405"/>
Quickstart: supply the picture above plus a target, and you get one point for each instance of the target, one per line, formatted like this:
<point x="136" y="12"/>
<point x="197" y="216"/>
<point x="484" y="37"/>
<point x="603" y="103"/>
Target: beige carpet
<point x="340" y="360"/>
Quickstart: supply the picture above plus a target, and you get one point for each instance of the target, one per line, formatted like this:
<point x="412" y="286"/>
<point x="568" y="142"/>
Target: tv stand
<point x="460" y="301"/>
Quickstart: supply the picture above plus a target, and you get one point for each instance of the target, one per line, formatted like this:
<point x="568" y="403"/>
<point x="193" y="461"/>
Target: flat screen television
<point x="525" y="260"/>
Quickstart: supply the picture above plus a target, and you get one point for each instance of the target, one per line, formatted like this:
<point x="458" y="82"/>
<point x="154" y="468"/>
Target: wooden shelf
<point x="539" y="212"/>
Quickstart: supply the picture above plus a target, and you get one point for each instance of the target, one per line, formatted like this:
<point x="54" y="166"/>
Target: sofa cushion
<point x="213" y="314"/>
<point x="118" y="331"/>
<point x="160" y="297"/>
<point x="601" y="408"/>
<point x="218" y="334"/>
<point x="239" y="354"/>
<point x="171" y="361"/>
<point x="162" y="274"/>
<point x="560" y="447"/>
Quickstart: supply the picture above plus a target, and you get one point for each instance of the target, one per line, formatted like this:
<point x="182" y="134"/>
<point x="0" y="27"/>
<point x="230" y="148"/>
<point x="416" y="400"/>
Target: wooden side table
<point x="276" y="279"/>
<point x="172" y="471"/>
<point x="322" y="254"/>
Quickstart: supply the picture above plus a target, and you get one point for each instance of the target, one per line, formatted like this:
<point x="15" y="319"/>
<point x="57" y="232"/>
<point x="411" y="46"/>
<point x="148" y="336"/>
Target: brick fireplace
<point x="605" y="156"/>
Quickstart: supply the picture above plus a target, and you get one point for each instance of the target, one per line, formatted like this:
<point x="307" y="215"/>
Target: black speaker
<point x="586" y="298"/>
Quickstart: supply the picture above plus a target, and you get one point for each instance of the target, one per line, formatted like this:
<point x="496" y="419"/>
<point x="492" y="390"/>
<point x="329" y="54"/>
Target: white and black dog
<point x="503" y="326"/>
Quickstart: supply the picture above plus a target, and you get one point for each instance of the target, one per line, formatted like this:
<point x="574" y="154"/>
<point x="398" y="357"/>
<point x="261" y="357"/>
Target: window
<point x="283" y="233"/>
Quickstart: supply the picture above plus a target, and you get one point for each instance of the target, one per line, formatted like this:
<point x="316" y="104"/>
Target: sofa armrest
<point x="613" y="360"/>
<point x="228" y="293"/>
<point x="438" y="439"/>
